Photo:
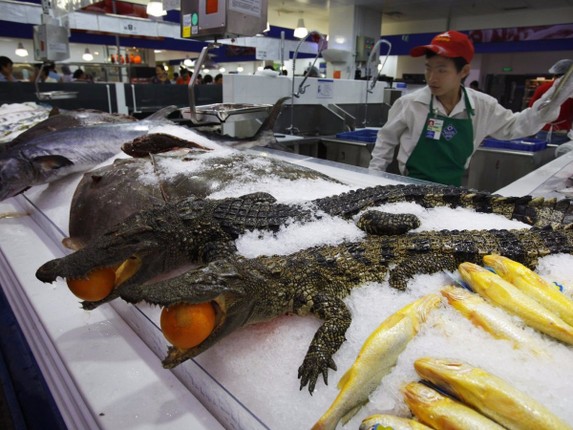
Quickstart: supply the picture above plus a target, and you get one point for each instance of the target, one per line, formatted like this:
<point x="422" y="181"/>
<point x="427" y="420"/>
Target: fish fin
<point x="269" y="122"/>
<point x="351" y="413"/>
<point x="162" y="113"/>
<point x="51" y="162"/>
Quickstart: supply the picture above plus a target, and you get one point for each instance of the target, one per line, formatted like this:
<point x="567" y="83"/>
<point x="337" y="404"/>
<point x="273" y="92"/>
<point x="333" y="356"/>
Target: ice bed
<point x="103" y="366"/>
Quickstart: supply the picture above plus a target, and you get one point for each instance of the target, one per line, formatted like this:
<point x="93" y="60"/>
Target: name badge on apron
<point x="434" y="128"/>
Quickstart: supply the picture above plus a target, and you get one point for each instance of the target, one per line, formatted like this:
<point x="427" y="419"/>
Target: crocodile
<point x="201" y="231"/>
<point x="316" y="280"/>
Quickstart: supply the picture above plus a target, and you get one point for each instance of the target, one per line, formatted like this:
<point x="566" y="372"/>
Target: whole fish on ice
<point x="504" y="294"/>
<point x="376" y="358"/>
<point x="441" y="412"/>
<point x="491" y="395"/>
<point x="482" y="314"/>
<point x="51" y="156"/>
<point x="533" y="285"/>
<point x="61" y="120"/>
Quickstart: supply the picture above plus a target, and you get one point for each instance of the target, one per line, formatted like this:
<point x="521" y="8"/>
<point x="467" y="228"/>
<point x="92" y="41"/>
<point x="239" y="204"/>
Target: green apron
<point x="443" y="147"/>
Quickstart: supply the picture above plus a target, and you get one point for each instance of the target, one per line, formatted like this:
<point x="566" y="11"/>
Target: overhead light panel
<point x="155" y="8"/>
<point x="21" y="51"/>
<point x="300" y="31"/>
<point x="87" y="56"/>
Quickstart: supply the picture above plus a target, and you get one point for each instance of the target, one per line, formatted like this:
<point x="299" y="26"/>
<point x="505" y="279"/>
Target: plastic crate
<point x="529" y="144"/>
<point x="365" y="135"/>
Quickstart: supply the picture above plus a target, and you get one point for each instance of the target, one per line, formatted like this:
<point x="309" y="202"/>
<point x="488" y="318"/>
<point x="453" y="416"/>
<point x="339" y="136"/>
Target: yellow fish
<point x="533" y="285"/>
<point x="441" y="412"/>
<point x="376" y="358"/>
<point x="482" y="314"/>
<point x="489" y="394"/>
<point x="506" y="295"/>
<point x="382" y="421"/>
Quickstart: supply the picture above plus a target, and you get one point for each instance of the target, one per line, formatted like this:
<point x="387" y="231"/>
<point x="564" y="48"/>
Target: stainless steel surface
<point x="220" y="112"/>
<point x="217" y="112"/>
<point x="491" y="169"/>
<point x="373" y="75"/>
<point x="309" y="120"/>
<point x="347" y="151"/>
<point x="302" y="88"/>
<point x="376" y="114"/>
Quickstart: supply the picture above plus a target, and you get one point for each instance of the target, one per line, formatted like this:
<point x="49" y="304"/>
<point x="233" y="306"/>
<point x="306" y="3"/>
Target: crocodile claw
<point x="314" y="364"/>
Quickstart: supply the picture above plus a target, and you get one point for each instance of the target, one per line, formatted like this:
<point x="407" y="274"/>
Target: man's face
<point x="442" y="76"/>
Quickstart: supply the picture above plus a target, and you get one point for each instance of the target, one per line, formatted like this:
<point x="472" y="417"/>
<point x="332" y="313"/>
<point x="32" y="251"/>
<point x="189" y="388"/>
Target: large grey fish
<point x="109" y="194"/>
<point x="51" y="156"/>
<point x="60" y="120"/>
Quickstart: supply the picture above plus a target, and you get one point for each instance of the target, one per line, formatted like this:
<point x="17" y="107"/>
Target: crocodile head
<point x="148" y="243"/>
<point x="222" y="283"/>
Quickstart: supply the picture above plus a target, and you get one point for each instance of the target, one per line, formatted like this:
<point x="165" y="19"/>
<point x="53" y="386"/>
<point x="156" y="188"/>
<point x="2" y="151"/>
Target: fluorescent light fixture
<point x="222" y="70"/>
<point x="21" y="51"/>
<point x="87" y="56"/>
<point x="300" y="31"/>
<point x="155" y="8"/>
<point x="205" y="71"/>
<point x="340" y="39"/>
<point x="188" y="62"/>
<point x="240" y="69"/>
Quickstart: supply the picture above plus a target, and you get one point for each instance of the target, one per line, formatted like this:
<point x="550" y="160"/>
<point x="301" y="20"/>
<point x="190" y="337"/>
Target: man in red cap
<point x="439" y="127"/>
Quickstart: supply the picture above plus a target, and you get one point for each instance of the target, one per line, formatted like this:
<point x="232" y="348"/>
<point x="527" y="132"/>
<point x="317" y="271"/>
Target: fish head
<point x="221" y="283"/>
<point x="416" y="394"/>
<point x="16" y="176"/>
<point x="473" y="274"/>
<point x="440" y="371"/>
<point x="499" y="264"/>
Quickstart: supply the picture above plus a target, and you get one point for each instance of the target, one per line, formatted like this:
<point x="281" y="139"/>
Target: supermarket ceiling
<point x="410" y="10"/>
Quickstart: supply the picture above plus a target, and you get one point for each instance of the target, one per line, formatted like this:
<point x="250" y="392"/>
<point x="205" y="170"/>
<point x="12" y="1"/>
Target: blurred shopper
<point x="184" y="77"/>
<point x="6" y="66"/>
<point x="218" y="79"/>
<point x="474" y="85"/>
<point x="67" y="74"/>
<point x="438" y="127"/>
<point x="207" y="79"/>
<point x="160" y="76"/>
<point x="556" y="131"/>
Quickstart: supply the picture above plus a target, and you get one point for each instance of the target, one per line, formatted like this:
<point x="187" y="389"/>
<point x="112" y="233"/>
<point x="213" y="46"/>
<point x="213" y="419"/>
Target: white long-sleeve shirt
<point x="407" y="118"/>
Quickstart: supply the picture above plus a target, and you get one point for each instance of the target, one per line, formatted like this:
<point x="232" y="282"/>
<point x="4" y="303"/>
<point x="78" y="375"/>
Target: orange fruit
<point x="96" y="286"/>
<point x="185" y="326"/>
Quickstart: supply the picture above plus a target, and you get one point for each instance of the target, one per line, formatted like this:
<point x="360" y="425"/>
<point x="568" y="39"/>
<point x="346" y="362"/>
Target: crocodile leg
<point x="326" y="340"/>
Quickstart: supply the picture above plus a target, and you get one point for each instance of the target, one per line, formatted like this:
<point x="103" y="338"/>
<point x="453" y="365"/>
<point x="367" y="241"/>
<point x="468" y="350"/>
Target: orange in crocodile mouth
<point x="96" y="286"/>
<point x="187" y="325"/>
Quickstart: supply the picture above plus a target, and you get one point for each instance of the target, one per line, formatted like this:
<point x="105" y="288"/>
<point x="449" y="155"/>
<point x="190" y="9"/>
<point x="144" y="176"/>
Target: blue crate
<point x="365" y="135"/>
<point x="528" y="144"/>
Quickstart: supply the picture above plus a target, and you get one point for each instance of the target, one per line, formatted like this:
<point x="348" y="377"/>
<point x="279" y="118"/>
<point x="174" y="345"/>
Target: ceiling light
<point x="240" y="69"/>
<point x="155" y="8"/>
<point x="21" y="51"/>
<point x="222" y="70"/>
<point x="300" y="31"/>
<point x="87" y="55"/>
<point x="188" y="62"/>
<point x="206" y="70"/>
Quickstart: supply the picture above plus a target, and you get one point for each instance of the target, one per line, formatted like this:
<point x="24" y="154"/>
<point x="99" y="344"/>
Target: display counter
<point x="103" y="366"/>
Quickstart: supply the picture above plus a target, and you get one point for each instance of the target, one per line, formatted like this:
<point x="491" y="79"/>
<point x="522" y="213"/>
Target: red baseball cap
<point x="450" y="44"/>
